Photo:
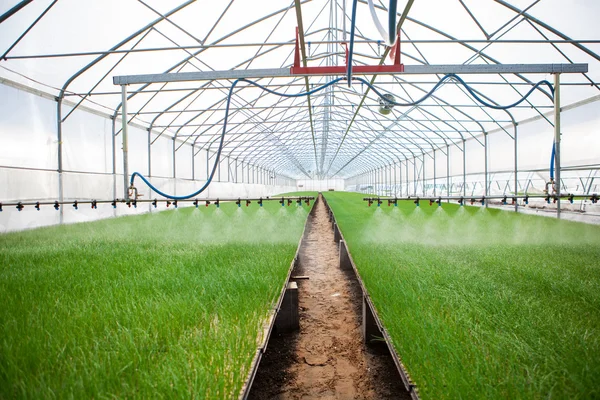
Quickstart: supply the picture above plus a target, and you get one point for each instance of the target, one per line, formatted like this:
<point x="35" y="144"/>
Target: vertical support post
<point x="448" y="171"/>
<point x="193" y="164"/>
<point x="407" y="180"/>
<point x="174" y="161"/>
<point x="485" y="162"/>
<point x="434" y="174"/>
<point x="464" y="168"/>
<point x="516" y="167"/>
<point x="125" y="149"/>
<point x="150" y="152"/>
<point x="557" y="141"/>
<point x="395" y="179"/>
<point x="423" y="172"/>
<point x="207" y="155"/>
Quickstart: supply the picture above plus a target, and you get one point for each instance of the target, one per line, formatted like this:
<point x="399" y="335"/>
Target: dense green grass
<point x="168" y="305"/>
<point x="482" y="303"/>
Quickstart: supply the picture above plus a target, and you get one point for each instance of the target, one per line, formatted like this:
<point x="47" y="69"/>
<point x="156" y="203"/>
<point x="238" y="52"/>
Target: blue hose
<point x="218" y="156"/>
<point x="334" y="81"/>
<point x="552" y="161"/>
<point x="462" y="82"/>
<point x="392" y="10"/>
<point x="351" y="47"/>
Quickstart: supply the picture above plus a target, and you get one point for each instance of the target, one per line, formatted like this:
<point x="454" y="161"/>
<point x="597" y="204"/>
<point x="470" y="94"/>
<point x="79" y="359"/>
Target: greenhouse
<point x="299" y="199"/>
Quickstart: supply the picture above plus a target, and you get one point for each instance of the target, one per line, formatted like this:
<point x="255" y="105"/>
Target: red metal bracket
<point x="342" y="70"/>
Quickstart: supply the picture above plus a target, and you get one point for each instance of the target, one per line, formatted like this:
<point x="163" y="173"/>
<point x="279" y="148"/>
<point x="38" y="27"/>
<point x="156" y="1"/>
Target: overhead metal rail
<point x="408" y="70"/>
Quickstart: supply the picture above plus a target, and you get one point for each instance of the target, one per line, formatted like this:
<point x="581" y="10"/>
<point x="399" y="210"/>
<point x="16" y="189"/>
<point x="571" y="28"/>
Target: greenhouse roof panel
<point x="75" y="49"/>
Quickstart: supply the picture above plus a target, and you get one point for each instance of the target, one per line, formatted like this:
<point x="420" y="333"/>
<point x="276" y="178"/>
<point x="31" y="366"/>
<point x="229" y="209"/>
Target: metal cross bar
<point x="408" y="70"/>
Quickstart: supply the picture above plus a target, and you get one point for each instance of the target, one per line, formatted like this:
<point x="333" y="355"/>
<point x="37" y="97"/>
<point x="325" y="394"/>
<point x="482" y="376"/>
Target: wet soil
<point x="327" y="358"/>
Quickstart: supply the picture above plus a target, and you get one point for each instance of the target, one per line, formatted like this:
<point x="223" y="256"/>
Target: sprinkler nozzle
<point x="217" y="203"/>
<point x="307" y="201"/>
<point x="75" y="206"/>
<point x="94" y="205"/>
<point x="594" y="198"/>
<point x="282" y="202"/>
<point x="526" y="199"/>
<point x="195" y="203"/>
<point x="168" y="203"/>
<point x="0" y="207"/>
<point x="260" y="202"/>
<point x="379" y="202"/>
<point x="482" y="201"/>
<point x="289" y="202"/>
<point x="56" y="206"/>
<point x="174" y="203"/>
<point x="439" y="201"/>
<point x="129" y="203"/>
<point x="155" y="203"/>
<point x="571" y="198"/>
<point x="113" y="204"/>
<point x="20" y="206"/>
<point x="207" y="203"/>
<point x="299" y="202"/>
<point x="504" y="200"/>
<point x="248" y="203"/>
<point x="461" y="201"/>
<point x="370" y="201"/>
<point x="513" y="201"/>
<point x="238" y="202"/>
<point x="547" y="199"/>
<point x="37" y="206"/>
<point x="431" y="201"/>
<point x="472" y="201"/>
<point x="417" y="202"/>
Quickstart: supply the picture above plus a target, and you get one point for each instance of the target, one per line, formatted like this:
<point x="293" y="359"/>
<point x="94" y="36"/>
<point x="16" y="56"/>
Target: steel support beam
<point x="408" y="70"/>
<point x="557" y="140"/>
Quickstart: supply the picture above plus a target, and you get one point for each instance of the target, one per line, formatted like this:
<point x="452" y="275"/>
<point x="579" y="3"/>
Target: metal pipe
<point x="125" y="149"/>
<point x="516" y="166"/>
<point x="485" y="162"/>
<point x="557" y="140"/>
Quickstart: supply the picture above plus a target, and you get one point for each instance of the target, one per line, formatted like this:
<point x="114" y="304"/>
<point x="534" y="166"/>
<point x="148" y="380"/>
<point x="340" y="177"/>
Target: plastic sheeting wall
<point x="580" y="161"/>
<point x="29" y="164"/>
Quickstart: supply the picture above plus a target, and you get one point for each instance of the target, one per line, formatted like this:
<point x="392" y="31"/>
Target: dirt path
<point x="327" y="358"/>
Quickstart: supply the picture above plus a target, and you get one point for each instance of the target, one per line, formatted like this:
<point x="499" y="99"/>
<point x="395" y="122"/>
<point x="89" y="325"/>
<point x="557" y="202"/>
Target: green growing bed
<point x="481" y="303"/>
<point x="164" y="305"/>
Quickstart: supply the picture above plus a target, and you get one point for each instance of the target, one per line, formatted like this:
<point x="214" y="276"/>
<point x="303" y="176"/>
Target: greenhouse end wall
<point x="29" y="164"/>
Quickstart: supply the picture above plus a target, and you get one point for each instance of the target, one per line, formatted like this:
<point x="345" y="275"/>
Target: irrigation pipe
<point x="307" y="93"/>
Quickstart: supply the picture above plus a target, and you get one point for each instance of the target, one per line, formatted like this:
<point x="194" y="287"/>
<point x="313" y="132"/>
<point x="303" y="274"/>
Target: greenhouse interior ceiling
<point x="463" y="102"/>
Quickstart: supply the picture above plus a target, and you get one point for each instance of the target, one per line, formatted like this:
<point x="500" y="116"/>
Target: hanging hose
<point x="351" y="47"/>
<point x="334" y="81"/>
<point x="220" y="149"/>
<point x="552" y="161"/>
<point x="466" y="86"/>
<point x="389" y="36"/>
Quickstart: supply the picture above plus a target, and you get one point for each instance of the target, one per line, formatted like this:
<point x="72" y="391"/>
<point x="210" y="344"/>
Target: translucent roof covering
<point x="72" y="49"/>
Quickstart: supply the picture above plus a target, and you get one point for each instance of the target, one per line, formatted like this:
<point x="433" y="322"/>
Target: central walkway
<point x="327" y="358"/>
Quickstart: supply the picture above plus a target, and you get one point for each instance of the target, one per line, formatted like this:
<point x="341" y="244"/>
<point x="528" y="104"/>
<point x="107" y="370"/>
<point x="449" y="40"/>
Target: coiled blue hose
<point x="334" y="81"/>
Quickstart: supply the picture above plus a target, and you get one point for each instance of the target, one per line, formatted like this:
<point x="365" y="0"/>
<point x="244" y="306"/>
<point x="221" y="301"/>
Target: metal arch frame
<point x="419" y="128"/>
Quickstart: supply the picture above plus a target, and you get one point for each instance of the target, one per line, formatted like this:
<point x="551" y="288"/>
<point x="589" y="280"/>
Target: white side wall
<point x="29" y="164"/>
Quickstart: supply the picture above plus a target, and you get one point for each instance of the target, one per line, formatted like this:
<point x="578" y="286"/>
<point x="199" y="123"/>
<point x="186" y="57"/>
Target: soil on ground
<point x="327" y="358"/>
